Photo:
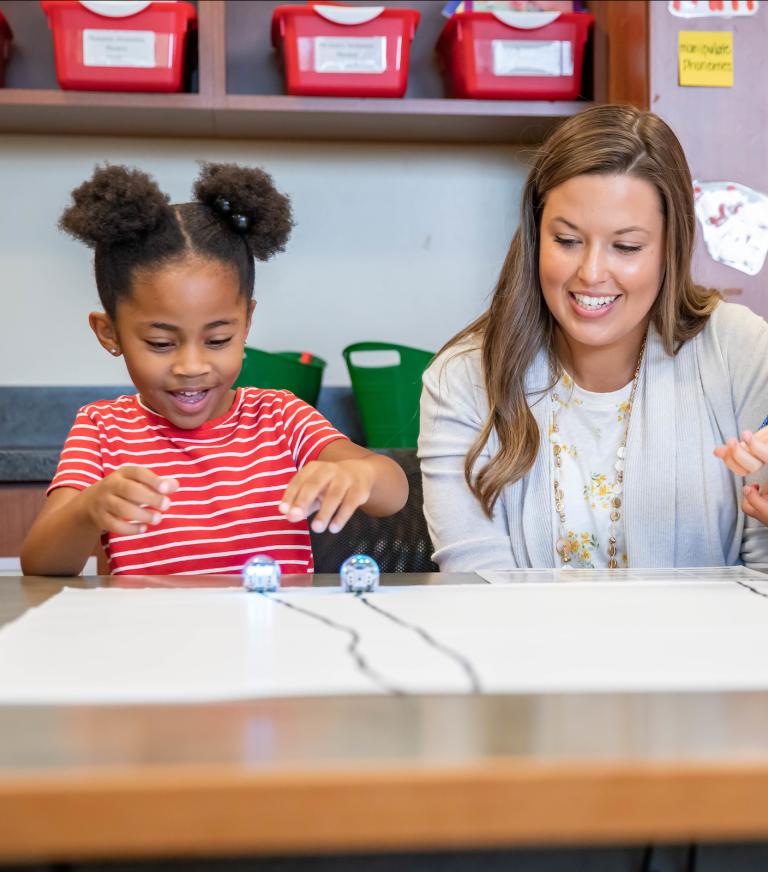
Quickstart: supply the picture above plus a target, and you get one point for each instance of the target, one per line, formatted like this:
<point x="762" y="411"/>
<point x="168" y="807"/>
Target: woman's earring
<point x="115" y="351"/>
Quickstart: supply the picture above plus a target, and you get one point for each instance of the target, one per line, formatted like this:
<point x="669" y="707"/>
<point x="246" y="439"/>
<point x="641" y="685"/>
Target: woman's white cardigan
<point x="681" y="504"/>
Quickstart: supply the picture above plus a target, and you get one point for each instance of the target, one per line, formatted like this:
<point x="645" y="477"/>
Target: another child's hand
<point x="129" y="500"/>
<point x="334" y="489"/>
<point x="746" y="456"/>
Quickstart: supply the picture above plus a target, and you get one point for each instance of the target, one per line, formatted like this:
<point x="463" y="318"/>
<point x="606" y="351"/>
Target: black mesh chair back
<point x="399" y="543"/>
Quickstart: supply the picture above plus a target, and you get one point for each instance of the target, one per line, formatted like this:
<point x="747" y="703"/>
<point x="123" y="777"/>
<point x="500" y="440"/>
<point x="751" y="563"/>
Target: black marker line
<point x="750" y="588"/>
<point x="352" y="648"/>
<point x="474" y="680"/>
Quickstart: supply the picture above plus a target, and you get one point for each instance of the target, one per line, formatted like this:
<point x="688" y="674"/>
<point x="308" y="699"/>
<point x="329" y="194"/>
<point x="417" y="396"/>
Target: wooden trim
<point x="622" y="37"/>
<point x="219" y="810"/>
<point x="211" y="51"/>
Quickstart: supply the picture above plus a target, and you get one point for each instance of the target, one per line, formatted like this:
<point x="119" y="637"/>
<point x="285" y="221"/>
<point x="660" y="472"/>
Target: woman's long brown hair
<point x="607" y="140"/>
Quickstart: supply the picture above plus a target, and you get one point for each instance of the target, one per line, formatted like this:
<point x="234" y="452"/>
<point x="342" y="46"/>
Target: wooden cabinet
<point x="239" y="86"/>
<point x="19" y="505"/>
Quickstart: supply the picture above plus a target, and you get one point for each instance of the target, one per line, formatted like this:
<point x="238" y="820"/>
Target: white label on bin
<point x="532" y="57"/>
<point x="350" y="54"/>
<point x="119" y="48"/>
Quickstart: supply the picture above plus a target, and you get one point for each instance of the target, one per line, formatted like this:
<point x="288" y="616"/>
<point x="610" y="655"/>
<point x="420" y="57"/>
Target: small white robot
<point x="261" y="574"/>
<point x="359" y="574"/>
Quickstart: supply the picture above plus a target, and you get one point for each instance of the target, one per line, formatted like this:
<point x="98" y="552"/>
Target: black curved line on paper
<point x="469" y="669"/>
<point x="750" y="588"/>
<point x="352" y="648"/>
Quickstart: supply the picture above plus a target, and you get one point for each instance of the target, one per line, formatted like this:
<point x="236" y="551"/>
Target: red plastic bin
<point x="6" y="36"/>
<point x="127" y="46"/>
<point x="344" y="51"/>
<point x="514" y="55"/>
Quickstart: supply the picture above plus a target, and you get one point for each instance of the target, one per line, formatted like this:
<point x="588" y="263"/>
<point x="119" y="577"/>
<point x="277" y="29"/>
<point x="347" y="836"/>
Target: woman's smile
<point x="593" y="305"/>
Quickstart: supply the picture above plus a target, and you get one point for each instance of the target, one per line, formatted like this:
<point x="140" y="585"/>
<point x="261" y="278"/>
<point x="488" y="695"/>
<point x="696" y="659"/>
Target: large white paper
<point x="614" y="576"/>
<point x="669" y="630"/>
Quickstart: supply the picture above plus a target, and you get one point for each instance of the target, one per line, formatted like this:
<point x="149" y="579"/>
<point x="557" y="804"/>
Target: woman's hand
<point x="334" y="490"/>
<point x="128" y="500"/>
<point x="754" y="503"/>
<point x="747" y="455"/>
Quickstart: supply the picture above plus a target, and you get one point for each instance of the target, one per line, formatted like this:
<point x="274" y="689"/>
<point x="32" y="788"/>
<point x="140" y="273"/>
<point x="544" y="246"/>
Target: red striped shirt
<point x="232" y="472"/>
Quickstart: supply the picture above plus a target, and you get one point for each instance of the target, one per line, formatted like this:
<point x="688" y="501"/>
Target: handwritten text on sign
<point x="706" y="58"/>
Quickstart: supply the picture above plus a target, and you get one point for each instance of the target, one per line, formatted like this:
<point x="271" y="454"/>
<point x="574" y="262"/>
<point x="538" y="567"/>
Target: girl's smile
<point x="182" y="332"/>
<point x="190" y="401"/>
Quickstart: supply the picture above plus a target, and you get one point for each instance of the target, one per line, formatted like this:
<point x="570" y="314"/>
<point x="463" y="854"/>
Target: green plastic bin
<point x="387" y="397"/>
<point x="296" y="371"/>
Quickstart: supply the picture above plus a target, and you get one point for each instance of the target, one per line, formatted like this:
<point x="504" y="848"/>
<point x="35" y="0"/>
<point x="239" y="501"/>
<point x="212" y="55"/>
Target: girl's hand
<point x="129" y="500"/>
<point x="335" y="490"/>
<point x="746" y="456"/>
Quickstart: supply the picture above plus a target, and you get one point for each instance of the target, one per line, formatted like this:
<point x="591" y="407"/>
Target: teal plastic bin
<point x="297" y="371"/>
<point x="387" y="397"/>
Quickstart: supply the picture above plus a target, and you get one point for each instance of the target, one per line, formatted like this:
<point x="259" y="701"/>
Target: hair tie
<point x="238" y="221"/>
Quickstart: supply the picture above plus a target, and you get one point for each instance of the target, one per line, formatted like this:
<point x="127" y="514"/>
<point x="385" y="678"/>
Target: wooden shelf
<point x="278" y="117"/>
<point x="104" y="113"/>
<point x="415" y="120"/>
<point x="239" y="92"/>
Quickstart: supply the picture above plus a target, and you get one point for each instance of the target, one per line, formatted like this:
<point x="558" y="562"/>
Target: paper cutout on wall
<point x="734" y="221"/>
<point x="712" y="8"/>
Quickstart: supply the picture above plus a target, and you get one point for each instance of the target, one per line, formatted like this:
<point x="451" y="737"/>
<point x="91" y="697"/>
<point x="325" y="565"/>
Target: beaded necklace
<point x="617" y="487"/>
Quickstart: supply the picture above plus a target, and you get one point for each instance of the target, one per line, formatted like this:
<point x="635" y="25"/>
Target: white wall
<point x="393" y="242"/>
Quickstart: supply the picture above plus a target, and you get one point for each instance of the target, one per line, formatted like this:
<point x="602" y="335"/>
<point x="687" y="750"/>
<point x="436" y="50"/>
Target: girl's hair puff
<point x="122" y="214"/>
<point x="249" y="192"/>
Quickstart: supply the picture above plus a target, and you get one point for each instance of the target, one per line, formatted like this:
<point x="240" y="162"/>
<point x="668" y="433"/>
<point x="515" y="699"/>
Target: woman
<point x="574" y="423"/>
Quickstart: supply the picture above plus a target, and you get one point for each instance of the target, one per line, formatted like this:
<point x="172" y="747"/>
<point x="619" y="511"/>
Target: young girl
<point x="190" y="476"/>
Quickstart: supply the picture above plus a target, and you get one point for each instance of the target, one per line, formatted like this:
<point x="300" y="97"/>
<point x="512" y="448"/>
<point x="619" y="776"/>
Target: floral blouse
<point x="590" y="428"/>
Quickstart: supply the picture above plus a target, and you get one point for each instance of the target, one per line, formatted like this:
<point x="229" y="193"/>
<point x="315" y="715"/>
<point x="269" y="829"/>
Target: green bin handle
<point x="402" y="350"/>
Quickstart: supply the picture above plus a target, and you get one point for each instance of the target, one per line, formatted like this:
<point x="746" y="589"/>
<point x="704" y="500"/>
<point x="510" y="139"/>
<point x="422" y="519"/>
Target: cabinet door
<point x="19" y="505"/>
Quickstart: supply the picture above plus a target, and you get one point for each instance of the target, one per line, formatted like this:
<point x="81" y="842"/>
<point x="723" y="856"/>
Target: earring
<point x="114" y="351"/>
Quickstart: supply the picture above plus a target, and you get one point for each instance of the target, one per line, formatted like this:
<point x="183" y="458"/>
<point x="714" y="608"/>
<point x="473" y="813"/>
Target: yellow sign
<point x="706" y="58"/>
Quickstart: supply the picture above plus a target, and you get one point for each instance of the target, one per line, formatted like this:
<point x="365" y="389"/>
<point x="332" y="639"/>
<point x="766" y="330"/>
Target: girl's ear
<point x="249" y="316"/>
<point x="102" y="326"/>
